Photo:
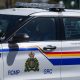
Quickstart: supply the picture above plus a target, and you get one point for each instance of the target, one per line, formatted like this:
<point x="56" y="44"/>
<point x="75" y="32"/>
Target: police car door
<point x="38" y="57"/>
<point x="70" y="67"/>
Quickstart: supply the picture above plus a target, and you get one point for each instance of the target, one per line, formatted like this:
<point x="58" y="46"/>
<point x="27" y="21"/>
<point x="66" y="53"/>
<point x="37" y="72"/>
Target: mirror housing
<point x="19" y="38"/>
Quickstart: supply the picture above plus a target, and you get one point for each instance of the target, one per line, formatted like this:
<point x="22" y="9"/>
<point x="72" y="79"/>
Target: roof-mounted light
<point x="51" y="7"/>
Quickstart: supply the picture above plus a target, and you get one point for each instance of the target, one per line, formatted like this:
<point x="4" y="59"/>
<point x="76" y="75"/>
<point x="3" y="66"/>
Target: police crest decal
<point x="32" y="63"/>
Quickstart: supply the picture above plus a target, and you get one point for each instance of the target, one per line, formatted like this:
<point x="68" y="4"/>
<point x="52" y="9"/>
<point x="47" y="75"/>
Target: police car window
<point x="40" y="29"/>
<point x="3" y="25"/>
<point x="8" y="23"/>
<point x="72" y="28"/>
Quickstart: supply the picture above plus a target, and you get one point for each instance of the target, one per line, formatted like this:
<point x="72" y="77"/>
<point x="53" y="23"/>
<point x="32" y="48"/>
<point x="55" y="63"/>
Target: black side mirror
<point x="19" y="38"/>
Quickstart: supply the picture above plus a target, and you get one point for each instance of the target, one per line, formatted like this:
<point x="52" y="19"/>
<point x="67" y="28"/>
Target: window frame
<point x="57" y="24"/>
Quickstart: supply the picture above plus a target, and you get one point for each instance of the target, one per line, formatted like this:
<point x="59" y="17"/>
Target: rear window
<point x="72" y="28"/>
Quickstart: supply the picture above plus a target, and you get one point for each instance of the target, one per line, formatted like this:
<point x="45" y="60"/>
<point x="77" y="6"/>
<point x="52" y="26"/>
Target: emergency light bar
<point x="39" y="5"/>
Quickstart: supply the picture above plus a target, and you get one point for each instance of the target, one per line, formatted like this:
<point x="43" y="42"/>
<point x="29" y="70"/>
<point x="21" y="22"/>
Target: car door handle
<point x="49" y="48"/>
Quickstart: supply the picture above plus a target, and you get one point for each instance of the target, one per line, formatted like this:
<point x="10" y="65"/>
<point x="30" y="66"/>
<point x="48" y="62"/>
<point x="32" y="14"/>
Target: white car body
<point x="59" y="61"/>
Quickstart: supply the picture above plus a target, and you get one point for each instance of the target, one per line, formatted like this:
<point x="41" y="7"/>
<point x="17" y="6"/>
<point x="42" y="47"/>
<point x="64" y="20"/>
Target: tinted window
<point x="40" y="29"/>
<point x="8" y="23"/>
<point x="72" y="28"/>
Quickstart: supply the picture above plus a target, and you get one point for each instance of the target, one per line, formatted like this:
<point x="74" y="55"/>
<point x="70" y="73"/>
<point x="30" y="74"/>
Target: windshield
<point x="9" y="23"/>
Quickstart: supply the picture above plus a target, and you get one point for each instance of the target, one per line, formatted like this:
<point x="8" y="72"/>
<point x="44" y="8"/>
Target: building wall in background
<point x="10" y="3"/>
<point x="2" y="4"/>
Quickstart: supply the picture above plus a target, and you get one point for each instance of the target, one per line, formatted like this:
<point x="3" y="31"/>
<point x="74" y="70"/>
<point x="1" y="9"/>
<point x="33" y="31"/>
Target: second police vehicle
<point x="39" y="44"/>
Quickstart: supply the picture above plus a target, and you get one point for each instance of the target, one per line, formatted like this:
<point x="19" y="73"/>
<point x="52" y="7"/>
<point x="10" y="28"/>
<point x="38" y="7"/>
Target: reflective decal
<point x="63" y="58"/>
<point x="13" y="72"/>
<point x="48" y="71"/>
<point x="32" y="63"/>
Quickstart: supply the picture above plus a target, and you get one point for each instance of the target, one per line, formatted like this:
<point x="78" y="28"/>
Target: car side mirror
<point x="19" y="38"/>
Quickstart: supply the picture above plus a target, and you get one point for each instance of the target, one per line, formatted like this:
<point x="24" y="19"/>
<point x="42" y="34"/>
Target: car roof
<point x="71" y="13"/>
<point x="65" y="13"/>
<point x="20" y="11"/>
<point x="39" y="12"/>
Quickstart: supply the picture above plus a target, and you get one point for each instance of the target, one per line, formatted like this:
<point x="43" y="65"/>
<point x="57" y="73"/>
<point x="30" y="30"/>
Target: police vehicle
<point x="39" y="44"/>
